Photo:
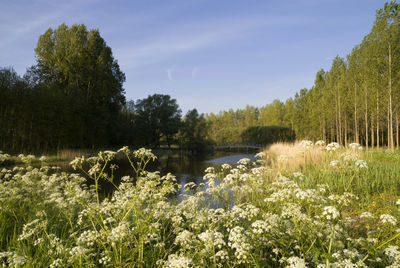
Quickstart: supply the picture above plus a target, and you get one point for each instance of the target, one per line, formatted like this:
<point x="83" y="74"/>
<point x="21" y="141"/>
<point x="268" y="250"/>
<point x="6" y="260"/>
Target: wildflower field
<point x="303" y="205"/>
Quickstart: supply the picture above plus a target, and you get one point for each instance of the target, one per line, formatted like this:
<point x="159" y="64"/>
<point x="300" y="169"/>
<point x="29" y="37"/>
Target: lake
<point x="186" y="167"/>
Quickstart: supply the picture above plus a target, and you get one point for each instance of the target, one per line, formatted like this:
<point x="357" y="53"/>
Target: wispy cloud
<point x="189" y="38"/>
<point x="31" y="19"/>
<point x="169" y="72"/>
<point x="195" y="70"/>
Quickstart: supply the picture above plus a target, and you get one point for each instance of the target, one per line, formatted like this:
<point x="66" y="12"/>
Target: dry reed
<point x="292" y="157"/>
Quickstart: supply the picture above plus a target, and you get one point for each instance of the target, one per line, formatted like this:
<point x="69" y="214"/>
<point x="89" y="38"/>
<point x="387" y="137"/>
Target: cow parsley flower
<point x="330" y="213"/>
<point x="367" y="215"/>
<point x="320" y="143"/>
<point x="334" y="163"/>
<point x="306" y="144"/>
<point x="244" y="161"/>
<point x="225" y="166"/>
<point x="144" y="153"/>
<point x="296" y="262"/>
<point x="386" y="218"/>
<point x="333" y="146"/>
<point x="178" y="261"/>
<point x="361" y="164"/>
<point x="354" y="145"/>
<point x="298" y="175"/>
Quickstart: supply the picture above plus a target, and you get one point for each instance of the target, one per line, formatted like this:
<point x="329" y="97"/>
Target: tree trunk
<point x="390" y="136"/>
<point x="355" y="115"/>
<point x="337" y="123"/>
<point x="345" y="131"/>
<point x="377" y="121"/>
<point x="340" y="122"/>
<point x="366" y="120"/>
<point x="397" y="129"/>
<point x="372" y="134"/>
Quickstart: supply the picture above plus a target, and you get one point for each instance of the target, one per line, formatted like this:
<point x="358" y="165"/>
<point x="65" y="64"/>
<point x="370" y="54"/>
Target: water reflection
<point x="186" y="168"/>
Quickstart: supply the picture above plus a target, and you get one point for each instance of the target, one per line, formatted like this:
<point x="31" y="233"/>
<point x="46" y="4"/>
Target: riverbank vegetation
<point x="73" y="97"/>
<point x="357" y="100"/>
<point x="342" y="211"/>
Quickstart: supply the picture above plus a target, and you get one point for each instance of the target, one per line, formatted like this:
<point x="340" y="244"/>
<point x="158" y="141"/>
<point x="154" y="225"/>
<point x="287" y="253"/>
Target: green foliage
<point x="228" y="126"/>
<point x="267" y="135"/>
<point x="229" y="135"/>
<point x="50" y="218"/>
<point x="155" y="117"/>
<point x="72" y="97"/>
<point x="356" y="100"/>
<point x="193" y="132"/>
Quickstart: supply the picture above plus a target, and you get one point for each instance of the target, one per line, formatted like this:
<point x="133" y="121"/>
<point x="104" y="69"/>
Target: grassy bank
<point x="317" y="207"/>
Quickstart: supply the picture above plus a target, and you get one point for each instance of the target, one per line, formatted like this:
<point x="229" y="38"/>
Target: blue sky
<point x="211" y="55"/>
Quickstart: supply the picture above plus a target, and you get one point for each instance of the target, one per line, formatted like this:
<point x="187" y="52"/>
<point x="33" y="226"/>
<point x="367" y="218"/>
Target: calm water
<point x="186" y="168"/>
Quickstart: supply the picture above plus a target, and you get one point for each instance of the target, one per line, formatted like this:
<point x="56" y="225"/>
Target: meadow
<point x="300" y="205"/>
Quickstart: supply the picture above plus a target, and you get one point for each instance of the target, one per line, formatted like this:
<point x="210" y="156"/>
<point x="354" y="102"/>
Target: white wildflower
<point x="386" y="218"/>
<point x="392" y="252"/>
<point x="361" y="164"/>
<point x="209" y="170"/>
<point x="244" y="161"/>
<point x="320" y="143"/>
<point x="226" y="166"/>
<point x="334" y="163"/>
<point x="354" y="145"/>
<point x="212" y="239"/>
<point x="306" y="144"/>
<point x="296" y="262"/>
<point x="330" y="213"/>
<point x="367" y="215"/>
<point x="260" y="155"/>
<point x="144" y="153"/>
<point x="124" y="150"/>
<point x="238" y="242"/>
<point x="119" y="232"/>
<point x="185" y="239"/>
<point x="178" y="261"/>
<point x="333" y="146"/>
<point x="77" y="162"/>
<point x="222" y="255"/>
<point x="57" y="263"/>
<point x="298" y="175"/>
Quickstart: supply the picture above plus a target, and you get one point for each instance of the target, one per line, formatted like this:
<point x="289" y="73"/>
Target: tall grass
<point x="308" y="215"/>
<point x="337" y="168"/>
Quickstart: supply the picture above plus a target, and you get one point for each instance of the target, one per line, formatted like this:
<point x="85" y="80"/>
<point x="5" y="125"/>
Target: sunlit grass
<point x="328" y="208"/>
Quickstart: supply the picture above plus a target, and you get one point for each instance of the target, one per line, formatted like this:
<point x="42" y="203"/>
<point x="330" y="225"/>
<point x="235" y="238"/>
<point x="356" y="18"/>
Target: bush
<point x="268" y="134"/>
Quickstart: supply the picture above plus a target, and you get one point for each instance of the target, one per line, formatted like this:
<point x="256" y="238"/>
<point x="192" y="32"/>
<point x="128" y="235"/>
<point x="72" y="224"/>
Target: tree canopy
<point x="193" y="132"/>
<point x="157" y="116"/>
<point x="72" y="97"/>
<point x="357" y="100"/>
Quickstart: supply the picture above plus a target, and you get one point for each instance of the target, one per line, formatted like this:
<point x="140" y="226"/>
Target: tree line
<point x="357" y="100"/>
<point x="73" y="97"/>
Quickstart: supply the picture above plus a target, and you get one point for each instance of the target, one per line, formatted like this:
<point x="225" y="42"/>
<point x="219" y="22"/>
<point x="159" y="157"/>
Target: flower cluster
<point x="306" y="144"/>
<point x="241" y="215"/>
<point x="333" y="146"/>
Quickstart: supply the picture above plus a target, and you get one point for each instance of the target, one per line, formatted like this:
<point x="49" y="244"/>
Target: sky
<point x="211" y="55"/>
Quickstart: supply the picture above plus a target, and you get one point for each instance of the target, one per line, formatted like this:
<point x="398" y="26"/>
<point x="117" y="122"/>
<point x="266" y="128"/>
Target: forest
<point x="73" y="97"/>
<point x="328" y="201"/>
<point x="357" y="100"/>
